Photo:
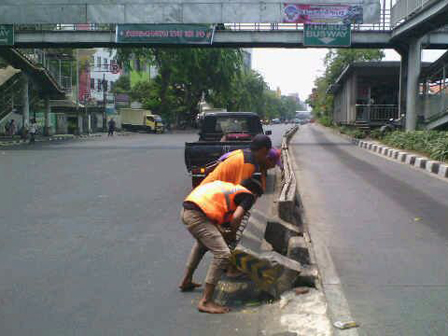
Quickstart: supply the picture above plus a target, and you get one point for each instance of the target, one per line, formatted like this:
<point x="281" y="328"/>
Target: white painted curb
<point x="433" y="167"/>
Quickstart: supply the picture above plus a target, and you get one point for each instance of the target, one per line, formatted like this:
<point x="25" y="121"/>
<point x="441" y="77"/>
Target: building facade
<point x="104" y="72"/>
<point x="366" y="92"/>
<point x="434" y="94"/>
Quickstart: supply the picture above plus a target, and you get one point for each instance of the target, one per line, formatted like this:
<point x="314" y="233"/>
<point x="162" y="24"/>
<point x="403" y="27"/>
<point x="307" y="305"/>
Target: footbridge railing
<point x="403" y="9"/>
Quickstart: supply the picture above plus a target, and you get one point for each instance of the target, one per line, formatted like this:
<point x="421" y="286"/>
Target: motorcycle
<point x="393" y="125"/>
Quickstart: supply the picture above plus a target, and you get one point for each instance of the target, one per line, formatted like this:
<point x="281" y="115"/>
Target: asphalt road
<point x="91" y="242"/>
<point x="385" y="227"/>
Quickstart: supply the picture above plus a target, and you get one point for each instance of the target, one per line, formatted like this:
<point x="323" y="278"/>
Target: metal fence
<point x="377" y="112"/>
<point x="382" y="25"/>
<point x="403" y="9"/>
<point x="52" y="67"/>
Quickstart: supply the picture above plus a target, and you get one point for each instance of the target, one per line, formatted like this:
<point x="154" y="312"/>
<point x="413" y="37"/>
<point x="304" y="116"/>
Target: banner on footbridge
<point x="165" y="33"/>
<point x="335" y="14"/>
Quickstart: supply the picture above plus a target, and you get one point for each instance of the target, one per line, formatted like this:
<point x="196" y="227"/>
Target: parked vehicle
<point x="141" y="120"/>
<point x="393" y="125"/>
<point x="220" y="133"/>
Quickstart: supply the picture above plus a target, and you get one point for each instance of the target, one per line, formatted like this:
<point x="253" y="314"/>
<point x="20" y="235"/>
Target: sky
<point x="294" y="70"/>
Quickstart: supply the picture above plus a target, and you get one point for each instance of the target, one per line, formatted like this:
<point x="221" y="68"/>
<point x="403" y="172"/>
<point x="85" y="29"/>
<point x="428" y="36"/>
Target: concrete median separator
<point x="272" y="251"/>
<point x="275" y="253"/>
<point x="420" y="162"/>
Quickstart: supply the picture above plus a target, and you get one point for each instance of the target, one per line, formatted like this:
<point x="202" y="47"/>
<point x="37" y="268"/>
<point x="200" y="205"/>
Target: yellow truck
<point x="141" y="120"/>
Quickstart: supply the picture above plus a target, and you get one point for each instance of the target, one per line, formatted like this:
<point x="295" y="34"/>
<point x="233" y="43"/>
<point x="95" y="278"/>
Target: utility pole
<point x="104" y="87"/>
<point x="77" y="90"/>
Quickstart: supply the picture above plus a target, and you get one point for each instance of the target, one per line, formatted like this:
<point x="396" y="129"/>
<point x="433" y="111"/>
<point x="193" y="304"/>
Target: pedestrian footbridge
<point x="404" y="25"/>
<point x="21" y="84"/>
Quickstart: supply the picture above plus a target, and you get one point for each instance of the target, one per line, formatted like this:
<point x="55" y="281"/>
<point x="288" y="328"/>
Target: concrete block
<point x="432" y="167"/>
<point x="308" y="277"/>
<point x="410" y="159"/>
<point x="375" y="148"/>
<point x="298" y="250"/>
<point x="443" y="170"/>
<point x="420" y="162"/>
<point x="266" y="268"/>
<point x="402" y="156"/>
<point x="263" y="267"/>
<point x="278" y="233"/>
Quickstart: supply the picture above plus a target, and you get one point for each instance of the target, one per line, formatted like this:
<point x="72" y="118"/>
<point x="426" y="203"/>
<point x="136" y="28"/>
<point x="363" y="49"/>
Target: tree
<point x="336" y="61"/>
<point x="122" y="85"/>
<point x="247" y="92"/>
<point x="185" y="75"/>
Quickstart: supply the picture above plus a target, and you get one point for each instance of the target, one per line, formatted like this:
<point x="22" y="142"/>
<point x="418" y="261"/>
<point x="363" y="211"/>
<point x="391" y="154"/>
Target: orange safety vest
<point x="234" y="169"/>
<point x="217" y="200"/>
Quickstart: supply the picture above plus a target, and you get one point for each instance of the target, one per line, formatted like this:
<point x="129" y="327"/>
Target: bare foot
<point x="212" y="308"/>
<point x="188" y="286"/>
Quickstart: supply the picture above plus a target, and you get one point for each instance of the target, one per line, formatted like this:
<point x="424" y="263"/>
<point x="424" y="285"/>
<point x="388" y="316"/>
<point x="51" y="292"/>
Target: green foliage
<point x="353" y="132"/>
<point x="186" y="75"/>
<point x="432" y="143"/>
<point x="336" y="60"/>
<point x="122" y="85"/>
<point x="325" y="121"/>
<point x="376" y="134"/>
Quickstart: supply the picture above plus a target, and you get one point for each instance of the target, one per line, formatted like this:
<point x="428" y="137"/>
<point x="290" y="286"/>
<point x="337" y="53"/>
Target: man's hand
<point x="237" y="217"/>
<point x="229" y="236"/>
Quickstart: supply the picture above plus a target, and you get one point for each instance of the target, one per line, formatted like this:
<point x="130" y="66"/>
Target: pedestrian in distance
<point x="33" y="131"/>
<point x="111" y="127"/>
<point x="12" y="128"/>
<point x="7" y="124"/>
<point x="212" y="213"/>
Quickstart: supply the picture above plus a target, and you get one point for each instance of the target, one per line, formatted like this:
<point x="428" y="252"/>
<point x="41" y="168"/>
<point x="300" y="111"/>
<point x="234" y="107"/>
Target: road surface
<point x="91" y="242"/>
<point x="385" y="226"/>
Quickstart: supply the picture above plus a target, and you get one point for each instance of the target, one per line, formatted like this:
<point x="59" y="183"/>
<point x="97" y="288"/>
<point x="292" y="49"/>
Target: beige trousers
<point x="208" y="238"/>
